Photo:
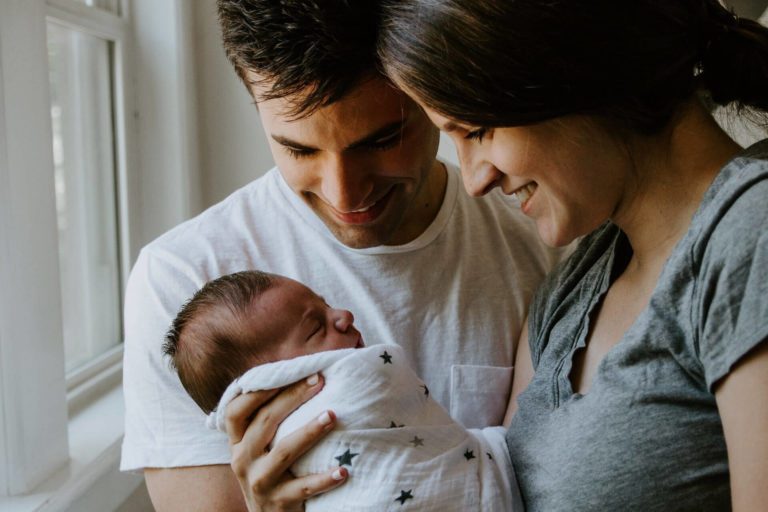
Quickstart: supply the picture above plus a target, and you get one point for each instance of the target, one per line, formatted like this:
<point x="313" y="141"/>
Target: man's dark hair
<point x="309" y="50"/>
<point x="209" y="343"/>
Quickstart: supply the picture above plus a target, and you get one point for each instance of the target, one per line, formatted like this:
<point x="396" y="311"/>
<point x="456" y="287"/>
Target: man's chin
<point x="362" y="236"/>
<point x="357" y="237"/>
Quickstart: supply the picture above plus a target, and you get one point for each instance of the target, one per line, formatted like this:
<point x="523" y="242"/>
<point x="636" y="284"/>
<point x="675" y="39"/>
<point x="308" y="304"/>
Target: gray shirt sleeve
<point x="733" y="285"/>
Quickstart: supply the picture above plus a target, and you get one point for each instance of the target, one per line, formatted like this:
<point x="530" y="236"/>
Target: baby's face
<point x="301" y="322"/>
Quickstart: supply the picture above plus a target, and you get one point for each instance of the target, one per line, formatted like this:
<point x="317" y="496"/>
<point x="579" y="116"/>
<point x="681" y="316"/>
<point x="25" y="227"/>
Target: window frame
<point x="60" y="435"/>
<point x="39" y="403"/>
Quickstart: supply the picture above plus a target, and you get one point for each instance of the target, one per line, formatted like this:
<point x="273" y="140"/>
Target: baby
<point x="252" y="330"/>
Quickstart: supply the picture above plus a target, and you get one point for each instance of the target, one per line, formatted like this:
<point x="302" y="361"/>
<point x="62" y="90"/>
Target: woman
<point x="641" y="381"/>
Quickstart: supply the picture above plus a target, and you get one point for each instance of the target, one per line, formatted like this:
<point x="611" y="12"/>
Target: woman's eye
<point x="476" y="134"/>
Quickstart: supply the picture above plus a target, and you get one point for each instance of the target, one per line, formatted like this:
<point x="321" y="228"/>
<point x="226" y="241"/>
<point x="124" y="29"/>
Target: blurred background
<point x="118" y="120"/>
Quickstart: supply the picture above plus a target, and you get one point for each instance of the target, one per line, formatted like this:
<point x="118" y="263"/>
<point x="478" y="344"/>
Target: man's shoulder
<point x="228" y="215"/>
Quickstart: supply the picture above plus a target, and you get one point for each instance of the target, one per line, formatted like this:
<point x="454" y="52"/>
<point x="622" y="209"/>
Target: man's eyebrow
<point x="285" y="141"/>
<point x="389" y="129"/>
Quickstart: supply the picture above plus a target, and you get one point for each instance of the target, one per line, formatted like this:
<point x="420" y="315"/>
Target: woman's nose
<point x="481" y="178"/>
<point x="343" y="319"/>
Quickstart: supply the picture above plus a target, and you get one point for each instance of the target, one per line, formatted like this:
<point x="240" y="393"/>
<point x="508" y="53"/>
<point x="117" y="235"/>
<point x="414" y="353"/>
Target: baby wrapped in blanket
<point x="251" y="331"/>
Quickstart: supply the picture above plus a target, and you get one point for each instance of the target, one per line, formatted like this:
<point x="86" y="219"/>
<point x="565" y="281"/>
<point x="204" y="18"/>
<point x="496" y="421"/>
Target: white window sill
<point x="90" y="481"/>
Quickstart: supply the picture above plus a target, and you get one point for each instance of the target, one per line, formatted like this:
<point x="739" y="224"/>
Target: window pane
<point x="83" y="144"/>
<point x="107" y="5"/>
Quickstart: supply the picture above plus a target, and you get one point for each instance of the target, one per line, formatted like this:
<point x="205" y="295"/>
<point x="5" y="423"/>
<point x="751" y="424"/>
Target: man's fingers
<point x="239" y="411"/>
<point x="301" y="489"/>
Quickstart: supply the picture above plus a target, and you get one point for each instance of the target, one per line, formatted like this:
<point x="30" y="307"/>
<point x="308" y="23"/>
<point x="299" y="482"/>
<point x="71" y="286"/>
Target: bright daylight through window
<point x="86" y="205"/>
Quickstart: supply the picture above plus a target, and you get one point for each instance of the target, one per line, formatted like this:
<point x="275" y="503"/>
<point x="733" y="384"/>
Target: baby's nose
<point x="344" y="319"/>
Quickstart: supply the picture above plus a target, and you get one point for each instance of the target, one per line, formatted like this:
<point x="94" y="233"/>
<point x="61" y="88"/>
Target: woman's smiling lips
<point x="524" y="193"/>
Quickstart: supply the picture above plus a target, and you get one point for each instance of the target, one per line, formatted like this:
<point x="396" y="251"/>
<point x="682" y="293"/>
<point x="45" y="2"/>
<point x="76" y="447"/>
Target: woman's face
<point x="568" y="174"/>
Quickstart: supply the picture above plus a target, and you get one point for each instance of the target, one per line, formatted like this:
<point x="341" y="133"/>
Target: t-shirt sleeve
<point x="733" y="288"/>
<point x="163" y="426"/>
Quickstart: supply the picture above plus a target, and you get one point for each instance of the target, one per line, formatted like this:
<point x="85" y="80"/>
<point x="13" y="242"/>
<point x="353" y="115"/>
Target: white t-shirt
<point x="454" y="298"/>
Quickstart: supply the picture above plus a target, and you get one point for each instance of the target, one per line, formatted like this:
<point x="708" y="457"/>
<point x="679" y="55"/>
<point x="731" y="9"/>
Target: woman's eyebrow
<point x="449" y="127"/>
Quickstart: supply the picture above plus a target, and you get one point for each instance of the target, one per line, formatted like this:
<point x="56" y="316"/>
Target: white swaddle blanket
<point x="402" y="449"/>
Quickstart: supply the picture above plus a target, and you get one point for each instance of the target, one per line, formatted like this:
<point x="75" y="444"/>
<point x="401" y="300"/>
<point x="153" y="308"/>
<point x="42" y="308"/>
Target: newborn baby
<point x="251" y="330"/>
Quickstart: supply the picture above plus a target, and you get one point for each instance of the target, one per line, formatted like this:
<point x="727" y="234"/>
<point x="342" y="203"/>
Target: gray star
<point x="416" y="441"/>
<point x="405" y="496"/>
<point x="346" y="458"/>
<point x="386" y="357"/>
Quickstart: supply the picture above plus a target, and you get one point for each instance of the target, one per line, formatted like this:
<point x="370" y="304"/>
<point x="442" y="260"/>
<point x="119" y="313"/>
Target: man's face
<point x="365" y="164"/>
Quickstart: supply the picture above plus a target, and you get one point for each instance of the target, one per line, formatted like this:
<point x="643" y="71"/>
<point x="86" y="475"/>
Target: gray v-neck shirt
<point x="647" y="435"/>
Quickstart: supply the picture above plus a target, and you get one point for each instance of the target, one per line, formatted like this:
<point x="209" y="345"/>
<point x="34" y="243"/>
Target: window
<point x="77" y="201"/>
<point x="81" y="86"/>
<point x="64" y="163"/>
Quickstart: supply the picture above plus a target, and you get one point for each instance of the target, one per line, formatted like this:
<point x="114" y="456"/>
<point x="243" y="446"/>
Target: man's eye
<point x="387" y="142"/>
<point x="298" y="153"/>
<point x="476" y="134"/>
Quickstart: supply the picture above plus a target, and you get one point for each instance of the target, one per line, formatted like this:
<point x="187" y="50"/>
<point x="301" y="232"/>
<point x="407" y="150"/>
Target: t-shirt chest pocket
<point x="479" y="394"/>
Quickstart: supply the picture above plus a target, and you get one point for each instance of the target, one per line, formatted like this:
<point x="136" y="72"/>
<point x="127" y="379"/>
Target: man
<point x="358" y="209"/>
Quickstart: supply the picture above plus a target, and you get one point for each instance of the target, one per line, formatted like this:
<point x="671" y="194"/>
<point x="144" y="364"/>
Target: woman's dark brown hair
<point x="517" y="62"/>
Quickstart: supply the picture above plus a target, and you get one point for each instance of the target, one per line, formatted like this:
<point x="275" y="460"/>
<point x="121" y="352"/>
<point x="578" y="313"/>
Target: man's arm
<point x="252" y="420"/>
<point x="523" y="373"/>
<point x="741" y="398"/>
<point x="194" y="489"/>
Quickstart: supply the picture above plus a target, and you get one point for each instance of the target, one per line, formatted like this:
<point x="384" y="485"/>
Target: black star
<point x="469" y="454"/>
<point x="489" y="455"/>
<point x="346" y="458"/>
<point x="416" y="441"/>
<point x="392" y="424"/>
<point x="405" y="496"/>
<point x="386" y="357"/>
<point x="426" y="389"/>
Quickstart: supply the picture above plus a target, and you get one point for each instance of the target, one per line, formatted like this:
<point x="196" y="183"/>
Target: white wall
<point x="232" y="147"/>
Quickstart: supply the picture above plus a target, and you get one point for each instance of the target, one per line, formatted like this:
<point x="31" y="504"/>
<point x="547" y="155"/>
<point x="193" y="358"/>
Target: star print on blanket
<point x="401" y="448"/>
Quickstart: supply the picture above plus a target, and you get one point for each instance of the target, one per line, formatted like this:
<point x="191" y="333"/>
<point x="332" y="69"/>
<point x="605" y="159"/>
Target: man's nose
<point x="345" y="185"/>
<point x="342" y="319"/>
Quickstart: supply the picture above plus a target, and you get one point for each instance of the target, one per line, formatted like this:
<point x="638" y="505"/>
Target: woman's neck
<point x="673" y="172"/>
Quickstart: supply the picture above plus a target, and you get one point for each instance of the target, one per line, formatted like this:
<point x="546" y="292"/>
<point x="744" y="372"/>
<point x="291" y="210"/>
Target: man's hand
<point x="252" y="420"/>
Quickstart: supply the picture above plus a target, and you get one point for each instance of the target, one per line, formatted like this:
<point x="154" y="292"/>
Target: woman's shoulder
<point x="734" y="212"/>
<point x="730" y="257"/>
